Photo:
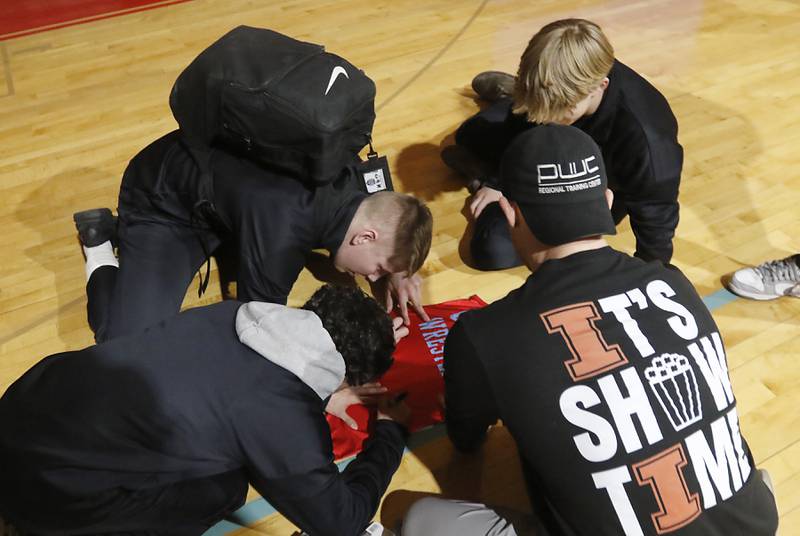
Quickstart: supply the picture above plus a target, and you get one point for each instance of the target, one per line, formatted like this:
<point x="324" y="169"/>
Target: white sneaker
<point x="767" y="281"/>
<point x="376" y="529"/>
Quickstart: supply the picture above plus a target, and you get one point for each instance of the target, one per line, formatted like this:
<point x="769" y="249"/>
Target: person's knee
<point x="489" y="254"/>
<point x="482" y="129"/>
<point x="464" y="135"/>
<point x="423" y="517"/>
<point x="491" y="246"/>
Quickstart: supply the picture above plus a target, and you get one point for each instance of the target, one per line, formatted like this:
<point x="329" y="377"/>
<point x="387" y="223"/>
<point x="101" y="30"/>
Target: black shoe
<point x="95" y="226"/>
<point x="468" y="166"/>
<point x="492" y="86"/>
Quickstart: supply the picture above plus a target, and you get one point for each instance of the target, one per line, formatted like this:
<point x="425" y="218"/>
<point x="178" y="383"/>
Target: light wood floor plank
<point x="86" y="98"/>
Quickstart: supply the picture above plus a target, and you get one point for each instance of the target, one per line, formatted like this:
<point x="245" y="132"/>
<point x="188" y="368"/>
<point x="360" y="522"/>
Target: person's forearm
<point x="373" y="468"/>
<point x="328" y="503"/>
<point x="465" y="436"/>
<point x="367" y="477"/>
<point x="469" y="404"/>
<point x="654" y="225"/>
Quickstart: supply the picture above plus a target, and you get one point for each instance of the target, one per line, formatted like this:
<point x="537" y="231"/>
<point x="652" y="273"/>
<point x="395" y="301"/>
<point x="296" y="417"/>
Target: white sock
<point x="97" y="256"/>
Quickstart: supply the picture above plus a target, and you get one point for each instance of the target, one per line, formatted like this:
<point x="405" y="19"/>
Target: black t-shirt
<point x="611" y="375"/>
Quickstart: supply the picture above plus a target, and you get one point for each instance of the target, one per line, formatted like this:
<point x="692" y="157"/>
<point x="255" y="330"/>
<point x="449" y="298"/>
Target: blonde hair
<point x="411" y="223"/>
<point x="562" y="64"/>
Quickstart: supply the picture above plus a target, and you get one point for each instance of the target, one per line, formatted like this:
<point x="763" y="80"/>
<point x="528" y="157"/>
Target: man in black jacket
<point x="608" y="371"/>
<point x="568" y="75"/>
<point x="166" y="230"/>
<point x="160" y="432"/>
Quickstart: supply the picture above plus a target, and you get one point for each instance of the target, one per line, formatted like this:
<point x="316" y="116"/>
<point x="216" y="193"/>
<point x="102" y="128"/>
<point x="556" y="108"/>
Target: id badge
<point x="375" y="175"/>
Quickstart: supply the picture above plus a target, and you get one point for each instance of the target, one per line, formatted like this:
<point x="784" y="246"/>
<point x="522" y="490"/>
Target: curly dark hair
<point x="360" y="329"/>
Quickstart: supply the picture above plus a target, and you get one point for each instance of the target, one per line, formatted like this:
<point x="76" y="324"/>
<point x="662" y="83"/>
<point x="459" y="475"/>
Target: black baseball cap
<point x="555" y="174"/>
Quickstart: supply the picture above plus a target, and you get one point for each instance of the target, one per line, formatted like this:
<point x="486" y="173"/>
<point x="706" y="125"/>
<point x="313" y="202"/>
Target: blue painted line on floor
<point x="719" y="298"/>
<point x="252" y="512"/>
<point x="258" y="509"/>
<point x="222" y="528"/>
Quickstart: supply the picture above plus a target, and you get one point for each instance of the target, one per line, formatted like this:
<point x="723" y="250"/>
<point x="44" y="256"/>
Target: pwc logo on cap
<point x="580" y="175"/>
<point x="556" y="176"/>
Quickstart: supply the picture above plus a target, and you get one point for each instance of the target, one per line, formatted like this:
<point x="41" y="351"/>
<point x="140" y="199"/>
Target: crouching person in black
<point x="600" y="366"/>
<point x="167" y="228"/>
<point x="160" y="432"/>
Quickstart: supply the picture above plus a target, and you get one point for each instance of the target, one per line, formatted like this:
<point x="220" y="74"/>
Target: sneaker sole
<point x="753" y="295"/>
<point x="91" y="215"/>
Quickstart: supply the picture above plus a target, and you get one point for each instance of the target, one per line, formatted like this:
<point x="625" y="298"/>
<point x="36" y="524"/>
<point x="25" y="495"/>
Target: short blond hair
<point x="411" y="223"/>
<point x="562" y="64"/>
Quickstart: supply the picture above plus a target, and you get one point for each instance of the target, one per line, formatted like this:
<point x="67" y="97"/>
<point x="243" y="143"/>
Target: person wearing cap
<point x="160" y="432"/>
<point x="568" y="75"/>
<point x="608" y="371"/>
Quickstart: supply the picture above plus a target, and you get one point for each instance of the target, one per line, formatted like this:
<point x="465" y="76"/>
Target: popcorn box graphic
<point x="673" y="381"/>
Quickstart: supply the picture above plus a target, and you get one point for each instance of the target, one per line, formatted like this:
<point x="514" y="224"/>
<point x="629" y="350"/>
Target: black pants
<point x="157" y="261"/>
<point x="186" y="508"/>
<point x="486" y="135"/>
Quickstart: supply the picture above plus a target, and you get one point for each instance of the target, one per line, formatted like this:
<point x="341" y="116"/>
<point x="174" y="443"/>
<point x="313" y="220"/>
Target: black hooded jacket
<point x="212" y="390"/>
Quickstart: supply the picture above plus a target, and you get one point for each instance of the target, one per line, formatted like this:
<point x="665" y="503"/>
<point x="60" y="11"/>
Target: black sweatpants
<point x="157" y="261"/>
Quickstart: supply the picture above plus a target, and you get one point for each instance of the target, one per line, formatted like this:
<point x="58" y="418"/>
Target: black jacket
<point x="203" y="393"/>
<point x="611" y="376"/>
<point x="273" y="220"/>
<point x="637" y="134"/>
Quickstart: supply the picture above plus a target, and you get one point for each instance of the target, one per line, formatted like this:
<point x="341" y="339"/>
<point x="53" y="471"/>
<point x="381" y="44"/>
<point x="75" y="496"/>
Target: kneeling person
<point x="163" y="430"/>
<point x="608" y="371"/>
<point x="271" y="221"/>
<point x="568" y="75"/>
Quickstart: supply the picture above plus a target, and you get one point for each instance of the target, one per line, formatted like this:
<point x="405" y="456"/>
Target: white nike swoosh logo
<point x="334" y="75"/>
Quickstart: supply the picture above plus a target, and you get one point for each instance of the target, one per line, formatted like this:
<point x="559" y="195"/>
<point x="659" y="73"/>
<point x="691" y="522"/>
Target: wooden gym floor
<point x="77" y="102"/>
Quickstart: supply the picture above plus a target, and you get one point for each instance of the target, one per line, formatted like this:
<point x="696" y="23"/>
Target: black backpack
<point x="286" y="104"/>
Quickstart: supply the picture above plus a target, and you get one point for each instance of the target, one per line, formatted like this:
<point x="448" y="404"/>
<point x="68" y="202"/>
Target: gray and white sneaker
<point x="767" y="281"/>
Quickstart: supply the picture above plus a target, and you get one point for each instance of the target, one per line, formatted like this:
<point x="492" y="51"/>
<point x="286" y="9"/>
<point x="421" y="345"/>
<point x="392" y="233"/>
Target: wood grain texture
<point x="77" y="103"/>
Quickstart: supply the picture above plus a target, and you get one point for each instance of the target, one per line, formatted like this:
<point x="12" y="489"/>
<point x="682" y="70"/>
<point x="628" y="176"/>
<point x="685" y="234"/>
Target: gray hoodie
<point x="295" y="340"/>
